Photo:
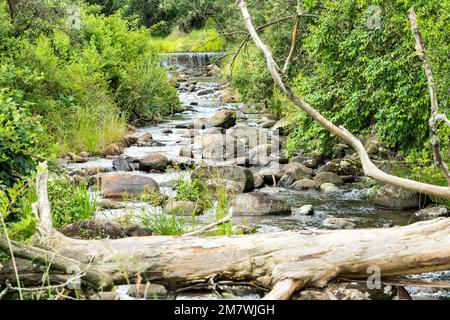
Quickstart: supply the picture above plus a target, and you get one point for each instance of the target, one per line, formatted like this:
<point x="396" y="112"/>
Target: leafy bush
<point x="194" y="190"/>
<point x="22" y="141"/>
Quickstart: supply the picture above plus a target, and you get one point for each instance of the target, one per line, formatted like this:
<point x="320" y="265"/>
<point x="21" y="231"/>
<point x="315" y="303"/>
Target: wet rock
<point x="328" y="187"/>
<point x="205" y="92"/>
<point x="348" y="179"/>
<point x="137" y="231"/>
<point x="93" y="229"/>
<point x="293" y="172"/>
<point x="251" y="135"/>
<point x="260" y="204"/>
<point x="129" y="140"/>
<point x="343" y="167"/>
<point x="186" y="152"/>
<point x="338" y="223"/>
<point x="76" y="159"/>
<point x="310" y="162"/>
<point x="258" y="181"/>
<point x="312" y="294"/>
<point x="84" y="154"/>
<point x="259" y="155"/>
<point x="223" y="118"/>
<point x="232" y="188"/>
<point x="146" y="137"/>
<point x="243" y="176"/>
<point x="112" y="150"/>
<point x="120" y="184"/>
<point x="280" y="126"/>
<point x="91" y="171"/>
<point x="201" y="123"/>
<point x="213" y="130"/>
<point x="218" y="147"/>
<point x="153" y="161"/>
<point x="167" y="131"/>
<point x="191" y="133"/>
<point x="120" y="164"/>
<point x="182" y="162"/>
<point x="78" y="180"/>
<point x="397" y="198"/>
<point x="106" y="295"/>
<point x="272" y="175"/>
<point x="184" y="126"/>
<point x="110" y="204"/>
<point x="182" y="207"/>
<point x="149" y="291"/>
<point x="433" y="212"/>
<point x="328" y="177"/>
<point x="306" y="210"/>
<point x="268" y="124"/>
<point x="303" y="184"/>
<point x="385" y="292"/>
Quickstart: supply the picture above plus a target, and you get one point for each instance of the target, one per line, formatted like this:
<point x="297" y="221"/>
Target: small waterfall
<point x="189" y="60"/>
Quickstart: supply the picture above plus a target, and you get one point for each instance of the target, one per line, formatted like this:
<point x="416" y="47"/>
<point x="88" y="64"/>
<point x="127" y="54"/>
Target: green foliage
<point x="203" y="40"/>
<point x="22" y="139"/>
<point x="163" y="224"/>
<point x="70" y="202"/>
<point x="194" y="190"/>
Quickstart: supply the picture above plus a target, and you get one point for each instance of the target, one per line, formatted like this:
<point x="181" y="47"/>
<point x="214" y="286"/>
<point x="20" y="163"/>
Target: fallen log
<point x="284" y="261"/>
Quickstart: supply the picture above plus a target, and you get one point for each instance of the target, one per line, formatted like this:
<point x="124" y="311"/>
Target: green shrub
<point x="194" y="190"/>
<point x="164" y="224"/>
<point x="69" y="202"/>
<point x="22" y="140"/>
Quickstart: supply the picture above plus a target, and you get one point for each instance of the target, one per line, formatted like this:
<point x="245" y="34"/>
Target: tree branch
<point x="295" y="33"/>
<point x="370" y="169"/>
<point x="434" y="138"/>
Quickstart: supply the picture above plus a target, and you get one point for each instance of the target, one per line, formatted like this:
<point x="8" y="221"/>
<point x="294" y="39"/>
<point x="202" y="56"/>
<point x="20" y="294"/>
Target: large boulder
<point x="223" y="118"/>
<point x="397" y="198"/>
<point x="328" y="177"/>
<point x="260" y="155"/>
<point x="241" y="175"/>
<point x="118" y="185"/>
<point x="272" y="175"/>
<point x="121" y="164"/>
<point x="303" y="184"/>
<point x="310" y="162"/>
<point x="182" y="207"/>
<point x="260" y="204"/>
<point x="185" y="151"/>
<point x="153" y="161"/>
<point x="252" y="135"/>
<point x="218" y="147"/>
<point x="293" y="172"/>
<point x="338" y="223"/>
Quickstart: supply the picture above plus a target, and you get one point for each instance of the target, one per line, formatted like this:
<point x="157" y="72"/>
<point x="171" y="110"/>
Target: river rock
<point x="303" y="184"/>
<point x="186" y="152"/>
<point x="293" y="172"/>
<point x="385" y="292"/>
<point x="260" y="204"/>
<point x="268" y="124"/>
<point x="112" y="150"/>
<point x="328" y="187"/>
<point x="105" y="296"/>
<point x="397" y="198"/>
<point x="328" y="177"/>
<point x="93" y="229"/>
<point x="258" y="181"/>
<point x="218" y="147"/>
<point x="201" y="123"/>
<point x="433" y="212"/>
<point x="232" y="188"/>
<point x="338" y="223"/>
<point x="182" y="207"/>
<point x="120" y="164"/>
<point x="342" y="167"/>
<point x="84" y="154"/>
<point x="223" y="118"/>
<point x="310" y="162"/>
<point x="213" y="130"/>
<point x="117" y="185"/>
<point x="137" y="231"/>
<point x="280" y="126"/>
<point x="149" y="291"/>
<point x="76" y="159"/>
<point x="110" y="204"/>
<point x="271" y="173"/>
<point x="129" y="140"/>
<point x="254" y="136"/>
<point x="243" y="176"/>
<point x="167" y="131"/>
<point x="153" y="161"/>
<point x="306" y="210"/>
<point x="191" y="133"/>
<point x="146" y="137"/>
<point x="91" y="171"/>
<point x="259" y="155"/>
<point x="205" y="92"/>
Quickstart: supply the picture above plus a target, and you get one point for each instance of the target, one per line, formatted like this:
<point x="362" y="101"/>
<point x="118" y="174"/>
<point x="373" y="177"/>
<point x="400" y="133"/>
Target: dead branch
<point x="369" y="168"/>
<point x="434" y="138"/>
<point x="208" y="227"/>
<point x="295" y="33"/>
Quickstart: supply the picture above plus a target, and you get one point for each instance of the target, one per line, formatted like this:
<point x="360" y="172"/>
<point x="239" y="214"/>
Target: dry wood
<point x="369" y="168"/>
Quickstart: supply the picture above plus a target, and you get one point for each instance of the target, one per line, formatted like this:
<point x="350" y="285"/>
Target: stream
<point x="349" y="201"/>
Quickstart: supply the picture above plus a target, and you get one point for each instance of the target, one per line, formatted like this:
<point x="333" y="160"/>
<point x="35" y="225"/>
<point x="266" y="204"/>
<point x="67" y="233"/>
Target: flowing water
<point x="350" y="201"/>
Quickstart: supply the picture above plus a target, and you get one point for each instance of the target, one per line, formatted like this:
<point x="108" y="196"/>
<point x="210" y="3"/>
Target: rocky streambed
<point x="240" y="149"/>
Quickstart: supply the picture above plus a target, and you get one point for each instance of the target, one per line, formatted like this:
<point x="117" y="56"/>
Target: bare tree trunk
<point x="370" y="169"/>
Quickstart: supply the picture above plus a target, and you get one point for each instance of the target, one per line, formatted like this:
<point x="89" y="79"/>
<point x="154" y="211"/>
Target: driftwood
<point x="369" y="168"/>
